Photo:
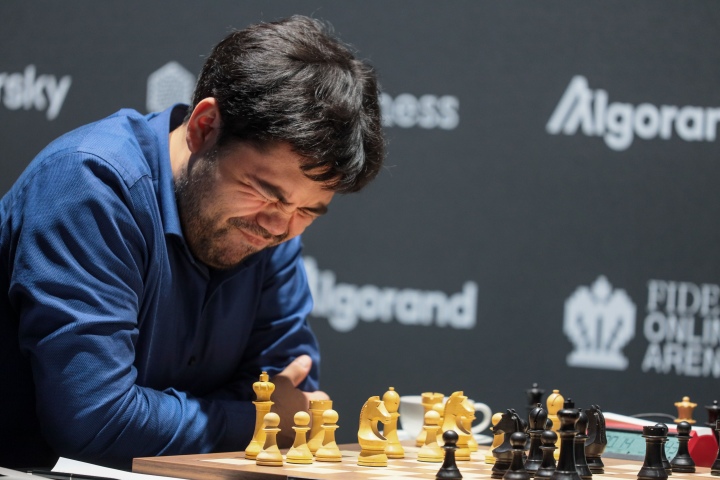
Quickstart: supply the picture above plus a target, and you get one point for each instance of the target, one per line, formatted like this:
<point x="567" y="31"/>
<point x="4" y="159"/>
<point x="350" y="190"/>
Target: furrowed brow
<point x="276" y="192"/>
<point x="319" y="210"/>
<point x="273" y="191"/>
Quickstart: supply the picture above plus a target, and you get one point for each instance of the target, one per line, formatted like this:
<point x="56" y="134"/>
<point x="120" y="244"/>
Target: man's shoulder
<point x="124" y="142"/>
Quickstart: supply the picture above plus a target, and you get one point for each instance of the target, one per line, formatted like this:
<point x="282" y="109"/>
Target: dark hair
<point x="293" y="81"/>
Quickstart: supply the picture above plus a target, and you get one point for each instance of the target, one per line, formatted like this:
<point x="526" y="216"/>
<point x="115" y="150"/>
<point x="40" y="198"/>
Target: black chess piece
<point x="517" y="467"/>
<point x="536" y="425"/>
<point x="653" y="468"/>
<point x="580" y="462"/>
<point x="547" y="439"/>
<point x="566" y="468"/>
<point x="509" y="423"/>
<point x="596" y="441"/>
<point x="713" y="415"/>
<point x="715" y="469"/>
<point x="449" y="469"/>
<point x="534" y="396"/>
<point x="665" y="461"/>
<point x="683" y="462"/>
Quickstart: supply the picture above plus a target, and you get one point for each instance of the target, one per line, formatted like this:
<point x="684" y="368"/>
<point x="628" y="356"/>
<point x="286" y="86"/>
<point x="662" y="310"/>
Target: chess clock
<point x="624" y="443"/>
<point x="625" y="440"/>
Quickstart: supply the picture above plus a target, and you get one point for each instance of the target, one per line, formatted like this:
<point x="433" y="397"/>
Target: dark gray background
<point x="526" y="215"/>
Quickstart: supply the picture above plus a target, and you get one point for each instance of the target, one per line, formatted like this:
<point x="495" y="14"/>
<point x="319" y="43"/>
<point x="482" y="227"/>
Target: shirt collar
<point x="163" y="123"/>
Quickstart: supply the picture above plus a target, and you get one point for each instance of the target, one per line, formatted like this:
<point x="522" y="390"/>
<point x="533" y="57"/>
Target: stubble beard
<point x="204" y="233"/>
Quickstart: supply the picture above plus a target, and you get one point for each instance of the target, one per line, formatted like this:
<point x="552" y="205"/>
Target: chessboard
<point x="234" y="466"/>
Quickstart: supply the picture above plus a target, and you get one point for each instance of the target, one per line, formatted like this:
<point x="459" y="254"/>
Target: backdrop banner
<point x="548" y="212"/>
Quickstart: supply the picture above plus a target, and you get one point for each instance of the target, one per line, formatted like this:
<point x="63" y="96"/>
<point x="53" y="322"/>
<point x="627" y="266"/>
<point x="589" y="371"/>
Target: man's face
<point x="240" y="200"/>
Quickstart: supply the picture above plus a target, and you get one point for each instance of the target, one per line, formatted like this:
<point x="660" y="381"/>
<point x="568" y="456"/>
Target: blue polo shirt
<point x="114" y="341"/>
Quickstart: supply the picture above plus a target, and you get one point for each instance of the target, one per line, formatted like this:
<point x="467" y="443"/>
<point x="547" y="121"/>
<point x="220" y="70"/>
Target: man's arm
<point x="282" y="342"/>
<point x="81" y="261"/>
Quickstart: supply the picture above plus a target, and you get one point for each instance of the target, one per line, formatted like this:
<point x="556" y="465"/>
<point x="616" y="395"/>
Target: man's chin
<point x="227" y="261"/>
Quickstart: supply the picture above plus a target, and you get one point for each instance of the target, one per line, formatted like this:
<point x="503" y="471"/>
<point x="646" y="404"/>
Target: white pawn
<point x="431" y="451"/>
<point x="300" y="452"/>
<point x="270" y="455"/>
<point x="329" y="452"/>
<point x="394" y="449"/>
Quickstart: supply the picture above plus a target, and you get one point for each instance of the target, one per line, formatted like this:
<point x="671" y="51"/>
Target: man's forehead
<point x="312" y="168"/>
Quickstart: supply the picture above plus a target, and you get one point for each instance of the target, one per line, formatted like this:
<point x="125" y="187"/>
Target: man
<point x="152" y="263"/>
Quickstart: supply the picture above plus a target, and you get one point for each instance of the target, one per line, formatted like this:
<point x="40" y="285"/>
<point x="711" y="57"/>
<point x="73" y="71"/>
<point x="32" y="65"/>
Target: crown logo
<point x="599" y="322"/>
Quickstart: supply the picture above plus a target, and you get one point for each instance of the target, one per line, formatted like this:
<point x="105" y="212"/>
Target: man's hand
<point x="289" y="400"/>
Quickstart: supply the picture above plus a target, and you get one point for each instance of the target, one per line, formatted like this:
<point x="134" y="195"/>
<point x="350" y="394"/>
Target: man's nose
<point x="275" y="222"/>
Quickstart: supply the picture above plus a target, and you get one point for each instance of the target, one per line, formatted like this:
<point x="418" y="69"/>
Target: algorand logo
<point x="619" y="122"/>
<point x="172" y="83"/>
<point x="427" y="111"/>
<point x="599" y="322"/>
<point x="28" y="90"/>
<point x="344" y="304"/>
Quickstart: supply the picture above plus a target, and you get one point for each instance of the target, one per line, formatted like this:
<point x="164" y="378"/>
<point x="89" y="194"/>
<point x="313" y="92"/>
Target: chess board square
<point x="401" y="477"/>
<point x="316" y="469"/>
<point x="231" y="461"/>
<point x="384" y="474"/>
<point x="626" y="467"/>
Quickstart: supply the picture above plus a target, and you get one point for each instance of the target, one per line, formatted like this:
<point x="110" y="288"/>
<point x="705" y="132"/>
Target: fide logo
<point x="599" y="322"/>
<point x="168" y="85"/>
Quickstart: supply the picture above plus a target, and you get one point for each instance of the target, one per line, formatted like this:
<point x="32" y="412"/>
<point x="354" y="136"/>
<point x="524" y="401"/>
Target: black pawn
<point x="580" y="461"/>
<point x="566" y="468"/>
<point x="652" y="468"/>
<point x="449" y="469"/>
<point x="547" y="467"/>
<point x="665" y="461"/>
<point x="536" y="424"/>
<point x="715" y="469"/>
<point x="683" y="462"/>
<point x="713" y="415"/>
<point x="517" y="467"/>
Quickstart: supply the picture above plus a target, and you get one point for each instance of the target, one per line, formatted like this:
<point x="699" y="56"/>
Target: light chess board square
<point x="634" y="468"/>
<point x="317" y="469"/>
<point x="231" y="461"/>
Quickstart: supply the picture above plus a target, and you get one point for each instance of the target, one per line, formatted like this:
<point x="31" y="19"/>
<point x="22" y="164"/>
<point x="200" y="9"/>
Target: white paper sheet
<point x="73" y="466"/>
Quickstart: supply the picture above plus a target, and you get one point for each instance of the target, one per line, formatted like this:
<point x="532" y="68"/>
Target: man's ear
<point x="204" y="125"/>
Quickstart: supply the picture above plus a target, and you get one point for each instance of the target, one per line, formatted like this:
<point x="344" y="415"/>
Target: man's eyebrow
<point x="319" y="210"/>
<point x="273" y="191"/>
<point x="276" y="192"/>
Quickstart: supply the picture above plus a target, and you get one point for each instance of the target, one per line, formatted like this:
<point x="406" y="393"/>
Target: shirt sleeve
<point x="80" y="263"/>
<point x="280" y="331"/>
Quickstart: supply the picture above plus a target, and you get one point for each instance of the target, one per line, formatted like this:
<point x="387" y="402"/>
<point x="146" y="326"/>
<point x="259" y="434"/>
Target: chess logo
<point x="168" y="85"/>
<point x="28" y="90"/>
<point x="599" y="322"/>
<point x="427" y="111"/>
<point x="619" y="122"/>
